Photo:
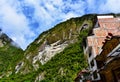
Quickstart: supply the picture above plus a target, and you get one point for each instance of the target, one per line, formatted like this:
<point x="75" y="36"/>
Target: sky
<point x="24" y="20"/>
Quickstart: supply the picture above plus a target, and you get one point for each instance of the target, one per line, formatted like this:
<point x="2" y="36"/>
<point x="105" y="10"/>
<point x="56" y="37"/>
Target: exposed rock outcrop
<point x="40" y="77"/>
<point x="49" y="51"/>
<point x="18" y="67"/>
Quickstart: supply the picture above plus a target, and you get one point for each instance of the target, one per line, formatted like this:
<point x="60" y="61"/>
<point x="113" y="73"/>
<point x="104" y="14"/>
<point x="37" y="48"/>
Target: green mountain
<point x="10" y="54"/>
<point x="55" y="56"/>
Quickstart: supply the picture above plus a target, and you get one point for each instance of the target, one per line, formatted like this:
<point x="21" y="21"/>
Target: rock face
<point x="40" y="77"/>
<point x="51" y="42"/>
<point x="54" y="49"/>
<point x="55" y="56"/>
<point x="49" y="51"/>
<point x="18" y="67"/>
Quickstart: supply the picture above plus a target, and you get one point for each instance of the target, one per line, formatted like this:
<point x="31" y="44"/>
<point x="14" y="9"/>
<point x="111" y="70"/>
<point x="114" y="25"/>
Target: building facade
<point x="94" y="42"/>
<point x="108" y="61"/>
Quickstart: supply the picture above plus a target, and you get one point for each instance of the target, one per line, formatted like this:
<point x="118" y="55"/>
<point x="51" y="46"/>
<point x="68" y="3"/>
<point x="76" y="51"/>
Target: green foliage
<point x="9" y="57"/>
<point x="64" y="66"/>
<point x="59" y="32"/>
<point x="30" y="77"/>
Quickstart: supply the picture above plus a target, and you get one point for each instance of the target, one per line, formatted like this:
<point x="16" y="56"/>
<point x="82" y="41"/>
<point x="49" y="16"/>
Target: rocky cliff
<point x="56" y="55"/>
<point x="53" y="41"/>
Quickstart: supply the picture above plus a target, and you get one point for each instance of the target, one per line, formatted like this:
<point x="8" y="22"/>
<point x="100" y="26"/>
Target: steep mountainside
<point x="56" y="55"/>
<point x="53" y="41"/>
<point x="10" y="54"/>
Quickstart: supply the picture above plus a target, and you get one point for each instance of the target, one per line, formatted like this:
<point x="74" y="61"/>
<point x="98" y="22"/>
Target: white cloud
<point x="110" y="6"/>
<point x="14" y="23"/>
<point x="19" y="17"/>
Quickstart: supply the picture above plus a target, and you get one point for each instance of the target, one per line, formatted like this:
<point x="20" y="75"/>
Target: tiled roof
<point x="107" y="25"/>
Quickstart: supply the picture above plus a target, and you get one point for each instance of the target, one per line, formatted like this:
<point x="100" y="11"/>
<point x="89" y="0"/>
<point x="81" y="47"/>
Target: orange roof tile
<point x="107" y="25"/>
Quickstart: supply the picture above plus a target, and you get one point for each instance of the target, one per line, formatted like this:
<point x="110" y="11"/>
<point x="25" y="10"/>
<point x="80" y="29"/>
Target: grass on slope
<point x="63" y="67"/>
<point x="9" y="55"/>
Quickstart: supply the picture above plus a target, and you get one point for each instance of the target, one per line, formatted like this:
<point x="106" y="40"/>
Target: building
<point x="108" y="61"/>
<point x="94" y="42"/>
<point x="83" y="76"/>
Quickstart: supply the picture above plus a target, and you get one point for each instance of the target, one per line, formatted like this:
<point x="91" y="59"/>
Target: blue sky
<point x="24" y="20"/>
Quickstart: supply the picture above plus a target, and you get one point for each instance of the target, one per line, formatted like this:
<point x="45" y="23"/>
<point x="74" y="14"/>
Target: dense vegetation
<point x="64" y="66"/>
<point x="60" y="32"/>
<point x="9" y="57"/>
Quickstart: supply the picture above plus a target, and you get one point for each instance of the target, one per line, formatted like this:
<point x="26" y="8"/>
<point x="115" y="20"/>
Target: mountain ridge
<point x="10" y="54"/>
<point x="56" y="55"/>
